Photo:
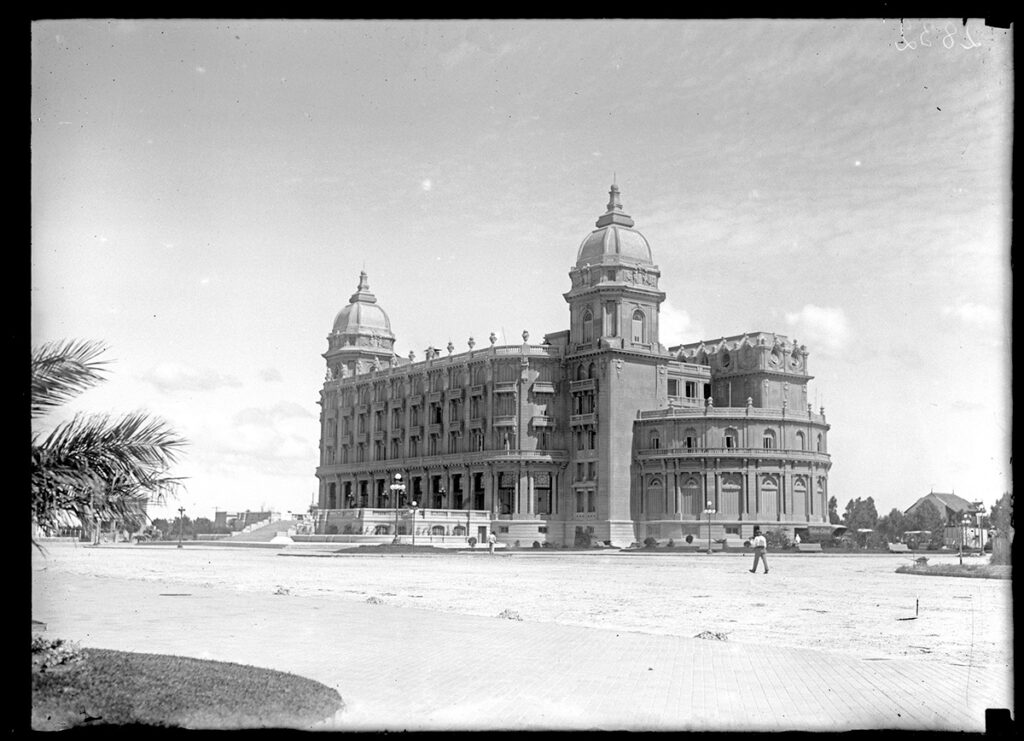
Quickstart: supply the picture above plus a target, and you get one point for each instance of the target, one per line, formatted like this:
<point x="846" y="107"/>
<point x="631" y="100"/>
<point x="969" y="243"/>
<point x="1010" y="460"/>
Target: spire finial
<point x="614" y="204"/>
<point x="364" y="284"/>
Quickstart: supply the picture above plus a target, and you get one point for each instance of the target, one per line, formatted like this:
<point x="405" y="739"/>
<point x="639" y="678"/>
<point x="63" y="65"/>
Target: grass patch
<point x="119" y="688"/>
<point x="396" y="548"/>
<point x="970" y="571"/>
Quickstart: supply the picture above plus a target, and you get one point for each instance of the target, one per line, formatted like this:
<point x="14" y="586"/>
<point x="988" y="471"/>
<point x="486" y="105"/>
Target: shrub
<point x="472" y="542"/>
<point x="332" y="529"/>
<point x="776" y="539"/>
<point x="689" y="539"/>
<point x="582" y="539"/>
<point x="545" y="544"/>
<point x="670" y="544"/>
<point x="516" y="544"/>
<point x="650" y="542"/>
<point x="746" y="543"/>
<point x="49" y="654"/>
<point x="536" y="544"/>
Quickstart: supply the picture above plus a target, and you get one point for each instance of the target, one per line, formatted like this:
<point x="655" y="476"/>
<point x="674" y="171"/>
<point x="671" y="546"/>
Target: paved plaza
<point x="399" y="667"/>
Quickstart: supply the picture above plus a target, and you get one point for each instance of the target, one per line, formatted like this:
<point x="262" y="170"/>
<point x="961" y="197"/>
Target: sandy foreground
<point x="847" y="604"/>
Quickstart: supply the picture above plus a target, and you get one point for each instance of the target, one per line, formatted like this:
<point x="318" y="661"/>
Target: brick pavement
<point x="401" y="668"/>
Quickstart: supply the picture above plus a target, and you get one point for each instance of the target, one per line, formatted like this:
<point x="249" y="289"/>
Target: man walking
<point x="760" y="546"/>
<point x="490" y="542"/>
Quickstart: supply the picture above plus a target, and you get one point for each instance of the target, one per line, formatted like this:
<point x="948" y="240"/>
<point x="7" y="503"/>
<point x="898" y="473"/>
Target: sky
<point x="204" y="195"/>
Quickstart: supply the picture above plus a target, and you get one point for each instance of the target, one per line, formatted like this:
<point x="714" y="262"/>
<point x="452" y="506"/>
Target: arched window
<point x="639" y="330"/>
<point x="592" y="371"/>
<point x="690" y="438"/>
<point x="588" y="326"/>
<point x="437" y="530"/>
<point x="801" y="441"/>
<point x="655" y="496"/>
<point x="768" y="439"/>
<point x="821" y="443"/>
<point x="731" y="438"/>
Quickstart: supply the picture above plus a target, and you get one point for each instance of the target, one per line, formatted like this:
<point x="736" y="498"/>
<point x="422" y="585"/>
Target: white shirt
<point x="760" y="542"/>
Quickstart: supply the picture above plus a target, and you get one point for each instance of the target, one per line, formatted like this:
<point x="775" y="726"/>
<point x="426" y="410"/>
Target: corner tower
<point x="361" y="338"/>
<point x="616" y="366"/>
<point x="614" y="300"/>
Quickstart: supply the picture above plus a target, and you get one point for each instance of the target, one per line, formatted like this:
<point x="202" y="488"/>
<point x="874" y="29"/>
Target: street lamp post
<point x="414" y="523"/>
<point x="181" y="524"/>
<point x="964" y="522"/>
<point x="397" y="489"/>
<point x="709" y="510"/>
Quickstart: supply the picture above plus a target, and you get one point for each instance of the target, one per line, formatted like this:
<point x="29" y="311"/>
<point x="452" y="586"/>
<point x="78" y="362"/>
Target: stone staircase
<point x="267" y="532"/>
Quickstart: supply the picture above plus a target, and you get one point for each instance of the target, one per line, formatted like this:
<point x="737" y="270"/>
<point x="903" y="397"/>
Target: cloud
<point x="270" y="416"/>
<point x="173" y="377"/>
<point x="270" y="375"/>
<point x="675" y="326"/>
<point x="823" y="329"/>
<point x="975" y="314"/>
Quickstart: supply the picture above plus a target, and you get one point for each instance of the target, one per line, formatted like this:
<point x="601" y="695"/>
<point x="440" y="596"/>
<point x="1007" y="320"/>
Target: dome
<point x="615" y="240"/>
<point x="362" y="315"/>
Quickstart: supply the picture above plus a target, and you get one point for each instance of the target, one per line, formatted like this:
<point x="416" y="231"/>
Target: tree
<point x="203" y="525"/>
<point x="833" y="511"/>
<point x="94" y="467"/>
<point x="860" y="514"/>
<point x="892" y="525"/>
<point x="1001" y="514"/>
<point x="928" y="517"/>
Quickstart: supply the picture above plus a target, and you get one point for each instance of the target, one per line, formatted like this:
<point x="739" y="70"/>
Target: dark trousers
<point x="759" y="555"/>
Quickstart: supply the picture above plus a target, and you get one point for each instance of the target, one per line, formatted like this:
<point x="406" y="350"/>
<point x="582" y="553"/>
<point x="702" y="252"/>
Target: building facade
<point x="598" y="432"/>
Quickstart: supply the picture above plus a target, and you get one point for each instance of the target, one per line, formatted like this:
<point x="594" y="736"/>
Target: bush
<point x="49" y="654"/>
<point x="689" y="539"/>
<point x="472" y="542"/>
<point x="332" y="529"/>
<point x="516" y="544"/>
<point x="582" y="539"/>
<point x="776" y="539"/>
<point x="536" y="544"/>
<point x="746" y="543"/>
<point x="670" y="544"/>
<point x="650" y="542"/>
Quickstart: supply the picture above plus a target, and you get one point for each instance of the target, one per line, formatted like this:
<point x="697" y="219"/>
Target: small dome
<point x="615" y="240"/>
<point x="362" y="315"/>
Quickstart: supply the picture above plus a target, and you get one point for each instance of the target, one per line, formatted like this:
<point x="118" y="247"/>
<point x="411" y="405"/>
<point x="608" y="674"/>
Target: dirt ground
<point x="849" y="604"/>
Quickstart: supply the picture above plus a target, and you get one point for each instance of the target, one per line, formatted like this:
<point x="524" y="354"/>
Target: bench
<point x="898" y="548"/>
<point x="808" y="547"/>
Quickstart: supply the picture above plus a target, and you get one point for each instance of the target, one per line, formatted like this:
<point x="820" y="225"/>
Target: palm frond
<point x="101" y="466"/>
<point x="63" y="369"/>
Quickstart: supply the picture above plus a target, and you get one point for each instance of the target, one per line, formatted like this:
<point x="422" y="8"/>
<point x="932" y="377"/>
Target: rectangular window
<point x="542" y="529"/>
<point x="691" y="389"/>
<point x="732" y="530"/>
<point x="730" y="441"/>
<point x="502" y="528"/>
<point x="690" y="442"/>
<point x="591" y="502"/>
<point x="673" y="387"/>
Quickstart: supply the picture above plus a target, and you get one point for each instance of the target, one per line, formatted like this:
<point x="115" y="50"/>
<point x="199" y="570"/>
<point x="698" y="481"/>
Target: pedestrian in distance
<point x="760" y="546"/>
<point x="490" y="543"/>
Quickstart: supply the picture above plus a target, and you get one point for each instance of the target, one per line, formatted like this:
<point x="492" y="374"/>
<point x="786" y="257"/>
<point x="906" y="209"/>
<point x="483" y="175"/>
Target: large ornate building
<point x="598" y="430"/>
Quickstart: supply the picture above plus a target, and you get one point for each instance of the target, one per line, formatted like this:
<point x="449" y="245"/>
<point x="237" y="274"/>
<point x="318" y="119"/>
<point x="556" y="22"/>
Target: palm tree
<point x="95" y="467"/>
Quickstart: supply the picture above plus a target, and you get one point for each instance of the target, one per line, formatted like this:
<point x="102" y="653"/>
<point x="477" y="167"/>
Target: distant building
<point x="953" y="508"/>
<point x="598" y="432"/>
<point x="238" y="521"/>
